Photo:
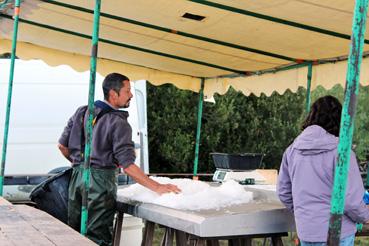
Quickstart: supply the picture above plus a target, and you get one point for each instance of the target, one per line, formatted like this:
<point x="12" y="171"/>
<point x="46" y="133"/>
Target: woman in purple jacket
<point x="306" y="176"/>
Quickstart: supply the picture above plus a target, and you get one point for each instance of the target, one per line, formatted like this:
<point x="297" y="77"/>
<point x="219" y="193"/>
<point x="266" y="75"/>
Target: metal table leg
<point x="200" y="242"/>
<point x="181" y="238"/>
<point x="277" y="241"/>
<point x="240" y="242"/>
<point x="168" y="237"/>
<point x="148" y="236"/>
<point x="212" y="242"/>
<point x="118" y="228"/>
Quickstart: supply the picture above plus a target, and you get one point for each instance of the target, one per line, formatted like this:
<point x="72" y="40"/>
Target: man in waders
<point x="111" y="148"/>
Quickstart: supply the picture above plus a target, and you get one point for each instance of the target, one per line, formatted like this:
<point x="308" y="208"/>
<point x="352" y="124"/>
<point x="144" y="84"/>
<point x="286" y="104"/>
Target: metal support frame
<point x="132" y="47"/>
<point x="308" y="87"/>
<point x="169" y="30"/>
<point x="199" y="119"/>
<point x="367" y="171"/>
<point x="5" y="4"/>
<point x="10" y="91"/>
<point x="274" y="19"/>
<point x="347" y="122"/>
<point x="91" y="98"/>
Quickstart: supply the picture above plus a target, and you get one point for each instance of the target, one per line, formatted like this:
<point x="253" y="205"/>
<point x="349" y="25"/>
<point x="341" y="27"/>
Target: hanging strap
<point x="105" y="109"/>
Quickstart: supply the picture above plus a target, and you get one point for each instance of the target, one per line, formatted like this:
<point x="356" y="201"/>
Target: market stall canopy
<point x="231" y="43"/>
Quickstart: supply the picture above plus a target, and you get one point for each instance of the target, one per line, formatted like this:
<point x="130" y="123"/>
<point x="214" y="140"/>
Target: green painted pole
<point x="10" y="90"/>
<point x="273" y="19"/>
<point x="367" y="173"/>
<point x="4" y="5"/>
<point x="199" y="118"/>
<point x="91" y="99"/>
<point x="308" y="87"/>
<point x="347" y="122"/>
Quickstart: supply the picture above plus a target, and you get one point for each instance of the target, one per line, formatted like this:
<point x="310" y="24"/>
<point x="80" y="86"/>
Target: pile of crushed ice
<point x="195" y="195"/>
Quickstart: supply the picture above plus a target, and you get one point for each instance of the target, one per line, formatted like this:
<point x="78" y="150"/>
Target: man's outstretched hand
<point x="136" y="173"/>
<point x="166" y="188"/>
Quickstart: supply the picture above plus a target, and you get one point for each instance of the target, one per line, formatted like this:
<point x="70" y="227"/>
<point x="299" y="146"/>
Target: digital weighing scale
<point x="243" y="176"/>
<point x="243" y="168"/>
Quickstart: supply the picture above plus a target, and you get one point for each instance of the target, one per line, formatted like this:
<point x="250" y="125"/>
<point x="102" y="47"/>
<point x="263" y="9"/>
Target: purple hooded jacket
<point x="305" y="185"/>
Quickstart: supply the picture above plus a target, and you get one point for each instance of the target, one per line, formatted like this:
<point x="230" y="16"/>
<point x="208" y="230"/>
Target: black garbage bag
<point x="51" y="195"/>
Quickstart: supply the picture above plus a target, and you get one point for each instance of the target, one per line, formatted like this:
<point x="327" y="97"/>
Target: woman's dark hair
<point x="325" y="112"/>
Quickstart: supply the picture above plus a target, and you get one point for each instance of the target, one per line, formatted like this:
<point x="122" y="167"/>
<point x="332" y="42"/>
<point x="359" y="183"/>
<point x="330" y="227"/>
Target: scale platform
<point x="259" y="176"/>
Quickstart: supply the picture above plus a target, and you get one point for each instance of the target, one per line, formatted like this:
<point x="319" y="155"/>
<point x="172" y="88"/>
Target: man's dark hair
<point x="113" y="81"/>
<point x="325" y="112"/>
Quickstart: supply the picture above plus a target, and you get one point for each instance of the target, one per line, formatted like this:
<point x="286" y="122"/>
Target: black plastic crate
<point x="245" y="161"/>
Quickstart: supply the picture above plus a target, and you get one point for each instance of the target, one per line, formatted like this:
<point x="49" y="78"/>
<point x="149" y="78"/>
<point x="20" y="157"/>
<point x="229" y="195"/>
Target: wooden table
<point x="24" y="225"/>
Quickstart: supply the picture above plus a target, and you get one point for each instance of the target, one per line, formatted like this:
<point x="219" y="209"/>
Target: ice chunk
<point x="196" y="195"/>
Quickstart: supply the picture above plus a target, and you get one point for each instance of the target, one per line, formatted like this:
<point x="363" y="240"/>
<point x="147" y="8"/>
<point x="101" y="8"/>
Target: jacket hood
<point x="315" y="140"/>
<point x="100" y="105"/>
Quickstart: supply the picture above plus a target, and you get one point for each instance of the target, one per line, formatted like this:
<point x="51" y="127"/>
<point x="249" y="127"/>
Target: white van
<point x="43" y="99"/>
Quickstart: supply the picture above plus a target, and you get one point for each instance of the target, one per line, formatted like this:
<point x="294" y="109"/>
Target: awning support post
<point x="308" y="87"/>
<point x="347" y="121"/>
<point x="10" y="91"/>
<point x="91" y="99"/>
<point x="198" y="131"/>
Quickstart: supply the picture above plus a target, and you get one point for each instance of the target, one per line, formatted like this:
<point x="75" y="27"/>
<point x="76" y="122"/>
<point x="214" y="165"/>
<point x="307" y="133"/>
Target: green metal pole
<point x="199" y="118"/>
<point x="347" y="122"/>
<point x="91" y="98"/>
<point x="367" y="173"/>
<point x="273" y="19"/>
<point x="308" y="87"/>
<point x="10" y="90"/>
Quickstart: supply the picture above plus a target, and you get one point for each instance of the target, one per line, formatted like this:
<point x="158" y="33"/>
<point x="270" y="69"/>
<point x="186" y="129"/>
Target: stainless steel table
<point x="265" y="216"/>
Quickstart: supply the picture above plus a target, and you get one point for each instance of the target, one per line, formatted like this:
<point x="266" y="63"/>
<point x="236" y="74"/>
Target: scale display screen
<point x="221" y="175"/>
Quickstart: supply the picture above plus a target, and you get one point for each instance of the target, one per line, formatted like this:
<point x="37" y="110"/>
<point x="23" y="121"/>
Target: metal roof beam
<point x="274" y="19"/>
<point x="168" y="30"/>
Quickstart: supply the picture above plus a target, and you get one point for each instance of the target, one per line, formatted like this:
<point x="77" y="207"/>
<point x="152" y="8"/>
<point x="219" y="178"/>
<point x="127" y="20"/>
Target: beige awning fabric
<point x="326" y="75"/>
<point x="81" y="63"/>
<point x="228" y="41"/>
